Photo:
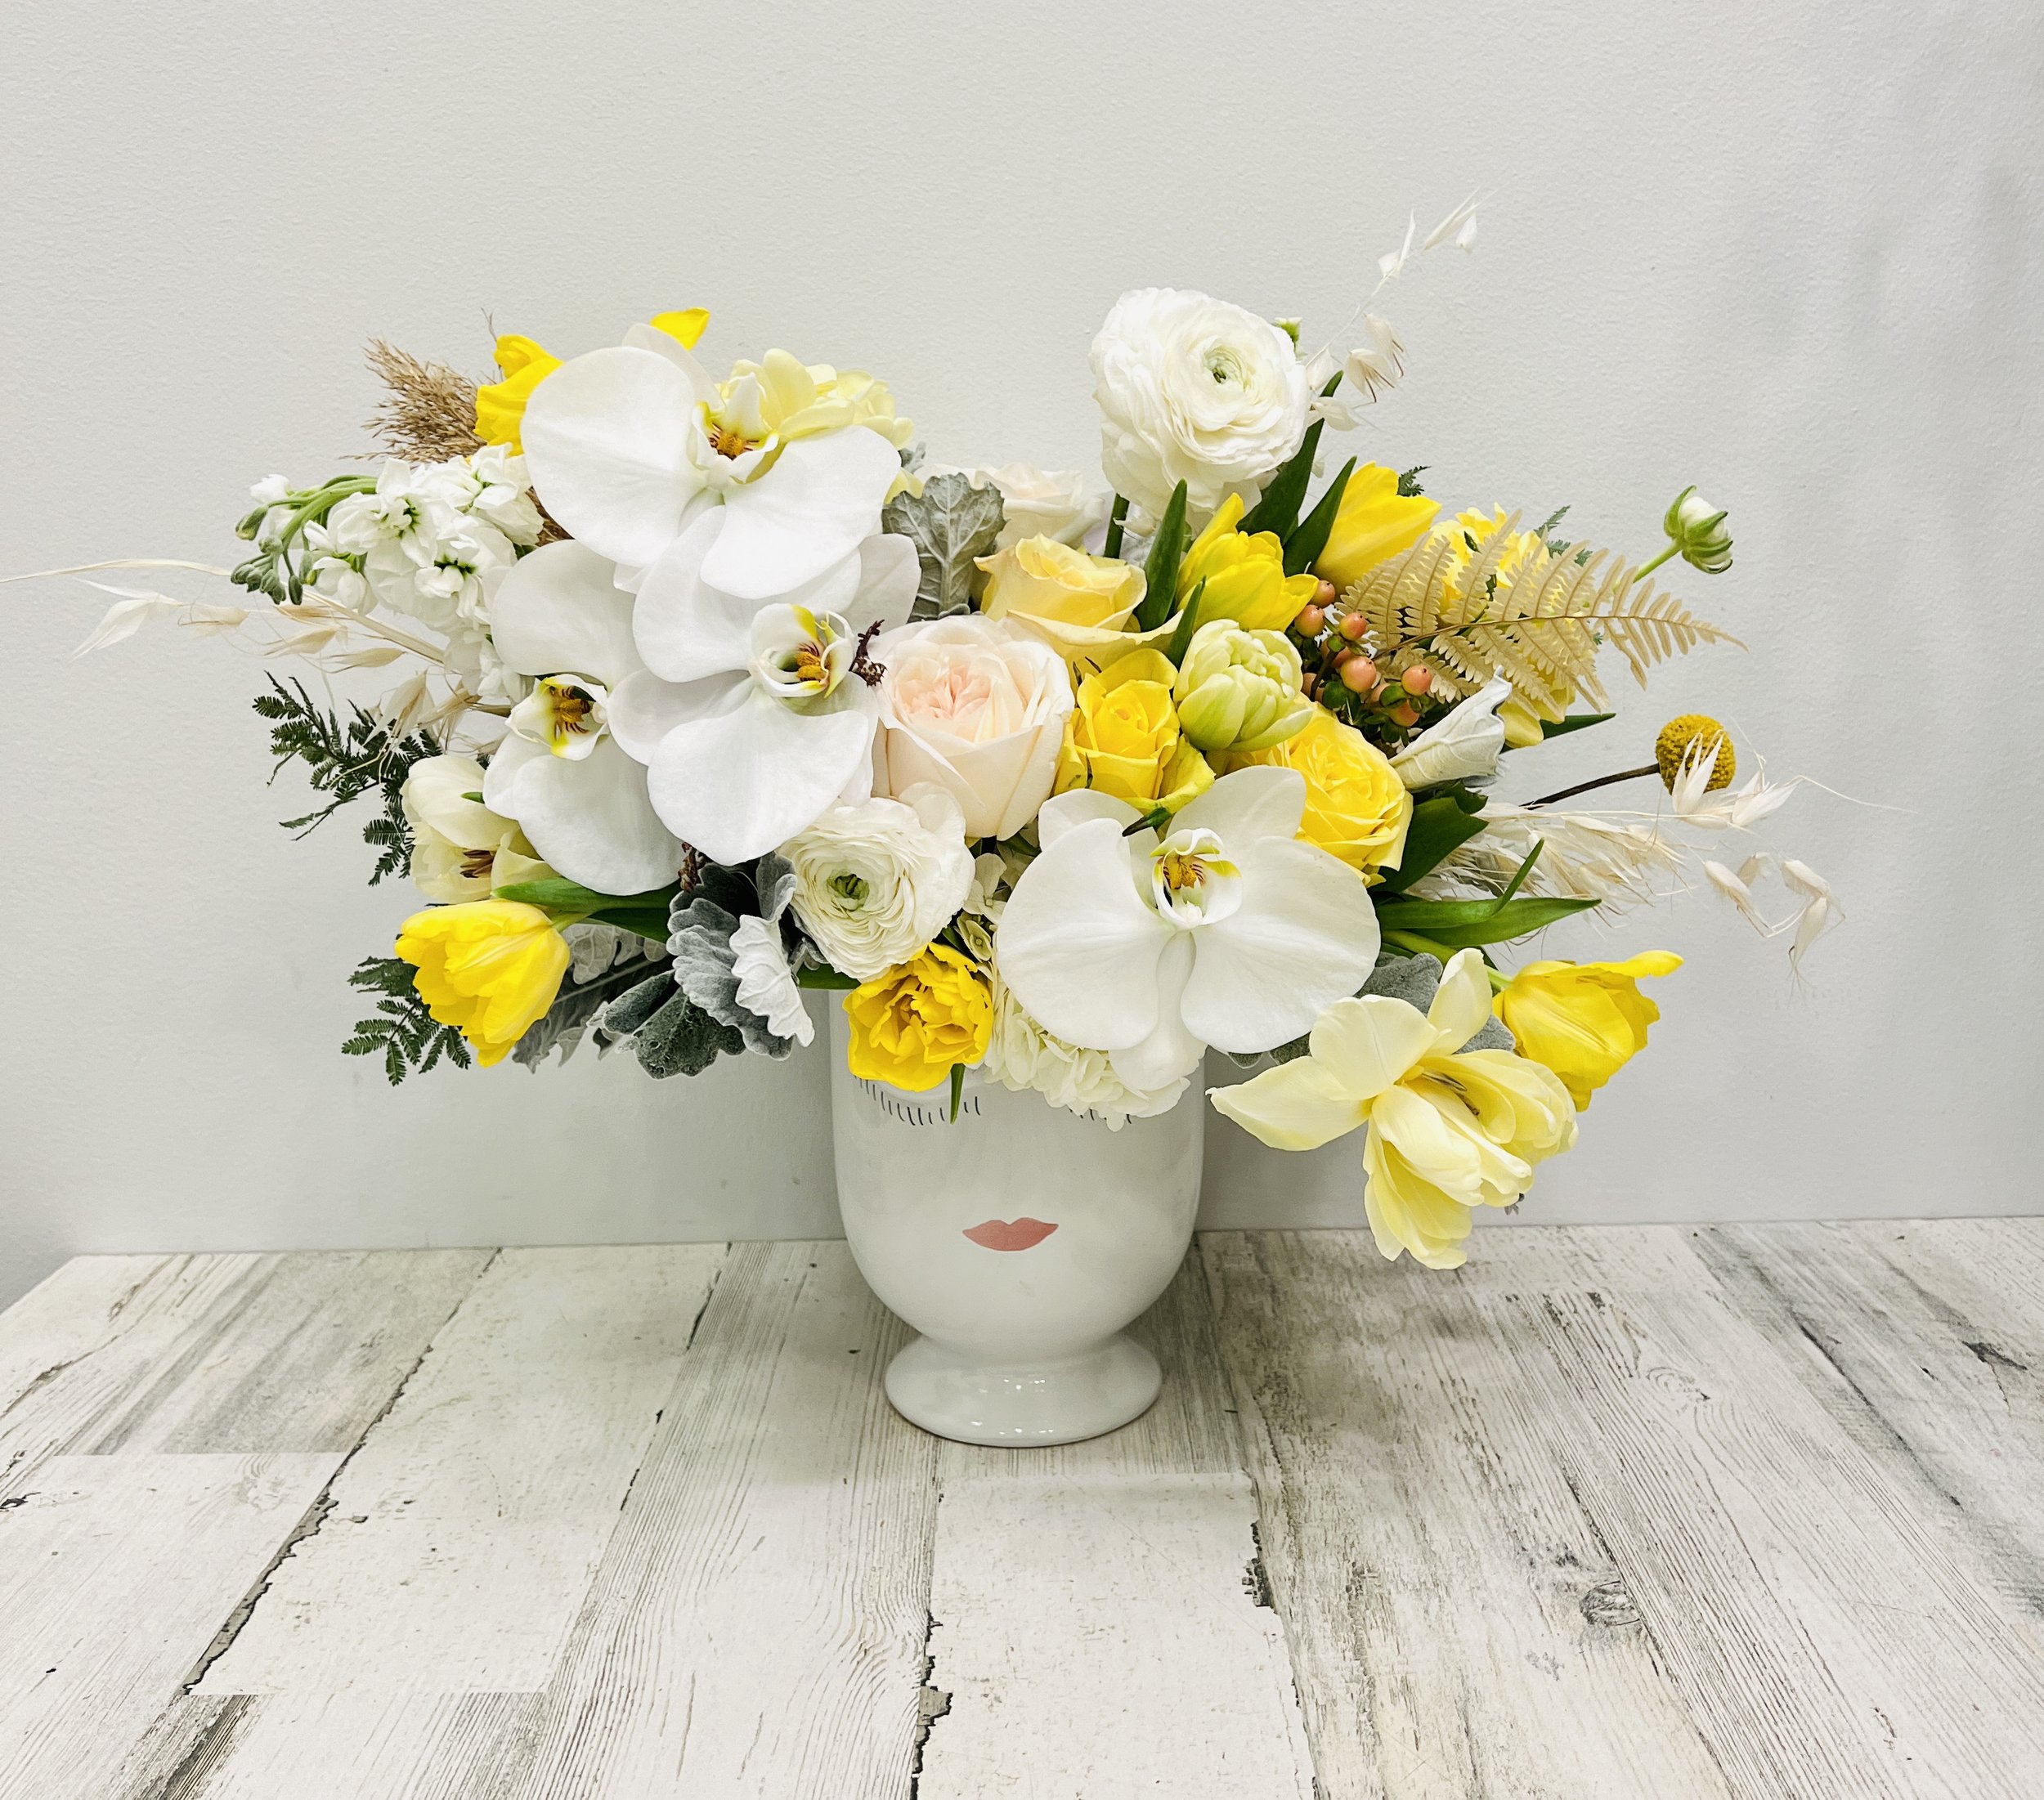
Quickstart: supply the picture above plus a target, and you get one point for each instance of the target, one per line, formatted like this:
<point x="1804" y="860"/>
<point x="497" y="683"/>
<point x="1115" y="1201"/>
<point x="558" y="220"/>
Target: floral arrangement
<point x="708" y="692"/>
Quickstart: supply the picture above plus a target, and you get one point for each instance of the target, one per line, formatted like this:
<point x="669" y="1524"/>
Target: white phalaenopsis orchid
<point x="559" y="617"/>
<point x="1227" y="931"/>
<point x="626" y="446"/>
<point x="749" y="716"/>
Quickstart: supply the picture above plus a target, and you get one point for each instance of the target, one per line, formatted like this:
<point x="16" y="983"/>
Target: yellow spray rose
<point x="488" y="968"/>
<point x="1586" y="1021"/>
<point x="1373" y="524"/>
<point x="1244" y="573"/>
<point x="1123" y="737"/>
<point x="912" y="1026"/>
<point x="1080" y="605"/>
<point x="500" y="406"/>
<point x="1357" y="808"/>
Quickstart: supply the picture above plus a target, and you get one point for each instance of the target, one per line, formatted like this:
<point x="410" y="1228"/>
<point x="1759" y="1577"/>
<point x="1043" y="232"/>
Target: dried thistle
<point x="429" y="415"/>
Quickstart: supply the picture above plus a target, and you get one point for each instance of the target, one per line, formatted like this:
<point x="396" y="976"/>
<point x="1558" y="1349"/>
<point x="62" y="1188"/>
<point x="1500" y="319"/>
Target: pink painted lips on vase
<point x="1024" y="1234"/>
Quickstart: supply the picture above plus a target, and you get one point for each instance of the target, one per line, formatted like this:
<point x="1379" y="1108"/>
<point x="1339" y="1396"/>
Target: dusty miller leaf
<point x="950" y="522"/>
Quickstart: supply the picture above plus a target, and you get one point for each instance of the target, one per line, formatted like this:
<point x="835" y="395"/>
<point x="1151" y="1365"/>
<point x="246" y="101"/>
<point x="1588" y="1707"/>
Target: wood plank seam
<point x="322" y="1508"/>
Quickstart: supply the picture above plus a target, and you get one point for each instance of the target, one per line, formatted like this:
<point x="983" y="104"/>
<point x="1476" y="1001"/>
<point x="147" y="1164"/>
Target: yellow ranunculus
<point x="500" y="406"/>
<point x="1357" y="808"/>
<point x="1451" y="1129"/>
<point x="1586" y="1021"/>
<point x="1080" y="605"/>
<point x="489" y="968"/>
<point x="1123" y="737"/>
<point x="1244" y="573"/>
<point x="1373" y="524"/>
<point x="913" y="1025"/>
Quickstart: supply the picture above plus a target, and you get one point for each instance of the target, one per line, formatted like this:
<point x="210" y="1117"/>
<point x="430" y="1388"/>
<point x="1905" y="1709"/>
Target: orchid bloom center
<point x="1191" y="882"/>
<point x="565" y="713"/>
<point x="799" y="656"/>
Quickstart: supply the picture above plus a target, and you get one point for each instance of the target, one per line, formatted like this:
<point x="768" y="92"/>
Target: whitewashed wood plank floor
<point x="1622" y="1511"/>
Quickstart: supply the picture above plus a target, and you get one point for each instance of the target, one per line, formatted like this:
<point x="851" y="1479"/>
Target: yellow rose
<point x="1357" y="808"/>
<point x="1123" y="737"/>
<point x="913" y="1025"/>
<point x="500" y="406"/>
<point x="1373" y="524"/>
<point x="1586" y="1021"/>
<point x="1244" y="574"/>
<point x="1080" y="605"/>
<point x="488" y="968"/>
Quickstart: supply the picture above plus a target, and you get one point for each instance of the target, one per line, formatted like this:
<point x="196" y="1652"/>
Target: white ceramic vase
<point x="1020" y="1240"/>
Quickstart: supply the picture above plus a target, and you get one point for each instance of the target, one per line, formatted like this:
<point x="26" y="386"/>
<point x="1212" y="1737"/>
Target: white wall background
<point x="1790" y="252"/>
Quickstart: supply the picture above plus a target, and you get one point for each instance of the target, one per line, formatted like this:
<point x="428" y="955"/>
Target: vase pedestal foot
<point x="974" y="1399"/>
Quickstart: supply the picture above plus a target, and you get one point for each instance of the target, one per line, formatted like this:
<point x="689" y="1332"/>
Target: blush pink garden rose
<point x="978" y="708"/>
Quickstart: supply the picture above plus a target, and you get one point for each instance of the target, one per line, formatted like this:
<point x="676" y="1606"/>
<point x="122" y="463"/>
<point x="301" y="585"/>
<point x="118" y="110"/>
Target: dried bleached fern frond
<point x="1538" y="622"/>
<point x="430" y="414"/>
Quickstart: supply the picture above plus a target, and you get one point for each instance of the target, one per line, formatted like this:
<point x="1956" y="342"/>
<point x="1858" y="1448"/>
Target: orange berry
<point x="1353" y="625"/>
<point x="1405" y="714"/>
<point x="1416" y="679"/>
<point x="1309" y="620"/>
<point x="1323" y="596"/>
<point x="1359" y="675"/>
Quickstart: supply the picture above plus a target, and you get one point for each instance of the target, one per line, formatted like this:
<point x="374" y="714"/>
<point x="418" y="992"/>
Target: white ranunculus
<point x="978" y="708"/>
<point x="1023" y="1058"/>
<point x="1193" y="389"/>
<point x="874" y="883"/>
<point x="1464" y="745"/>
<point x="1229" y="932"/>
<point x="1047" y="503"/>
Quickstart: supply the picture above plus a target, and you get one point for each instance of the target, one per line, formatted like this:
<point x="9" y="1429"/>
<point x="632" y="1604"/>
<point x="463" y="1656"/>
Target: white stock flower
<point x="1463" y="746"/>
<point x="766" y="984"/>
<point x="748" y="714"/>
<point x="874" y="883"/>
<point x="504" y="493"/>
<point x="560" y="617"/>
<point x="1023" y="1058"/>
<point x="1197" y="389"/>
<point x="977" y="707"/>
<point x="1229" y="932"/>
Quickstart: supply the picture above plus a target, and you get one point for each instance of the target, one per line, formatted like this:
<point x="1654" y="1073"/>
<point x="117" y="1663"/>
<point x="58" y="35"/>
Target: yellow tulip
<point x="1373" y="524"/>
<point x="913" y="1025"/>
<point x="500" y="406"/>
<point x="488" y="968"/>
<point x="1357" y="808"/>
<point x="1123" y="738"/>
<point x="1586" y="1021"/>
<point x="1451" y="1129"/>
<point x="1244" y="573"/>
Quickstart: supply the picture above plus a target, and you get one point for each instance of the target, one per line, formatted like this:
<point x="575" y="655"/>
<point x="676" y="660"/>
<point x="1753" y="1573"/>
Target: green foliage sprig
<point x="345" y="758"/>
<point x="407" y="1036"/>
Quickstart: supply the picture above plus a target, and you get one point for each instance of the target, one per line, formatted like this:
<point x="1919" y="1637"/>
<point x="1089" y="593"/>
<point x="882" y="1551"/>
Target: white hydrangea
<point x="1023" y="1058"/>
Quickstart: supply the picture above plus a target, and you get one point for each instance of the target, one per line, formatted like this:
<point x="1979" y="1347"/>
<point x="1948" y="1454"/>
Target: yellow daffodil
<point x="1244" y="573"/>
<point x="1123" y="737"/>
<point x="1357" y="808"/>
<point x="1451" y="1129"/>
<point x="488" y="968"/>
<point x="500" y="406"/>
<point x="1373" y="524"/>
<point x="1080" y="605"/>
<point x="1586" y="1021"/>
<point x="915" y="1023"/>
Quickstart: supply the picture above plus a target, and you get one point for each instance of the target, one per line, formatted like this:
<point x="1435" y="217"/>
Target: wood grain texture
<point x="756" y="1625"/>
<point x="1458" y="1625"/>
<point x="115" y="1573"/>
<point x="455" y="1549"/>
<point x="1744" y="1511"/>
